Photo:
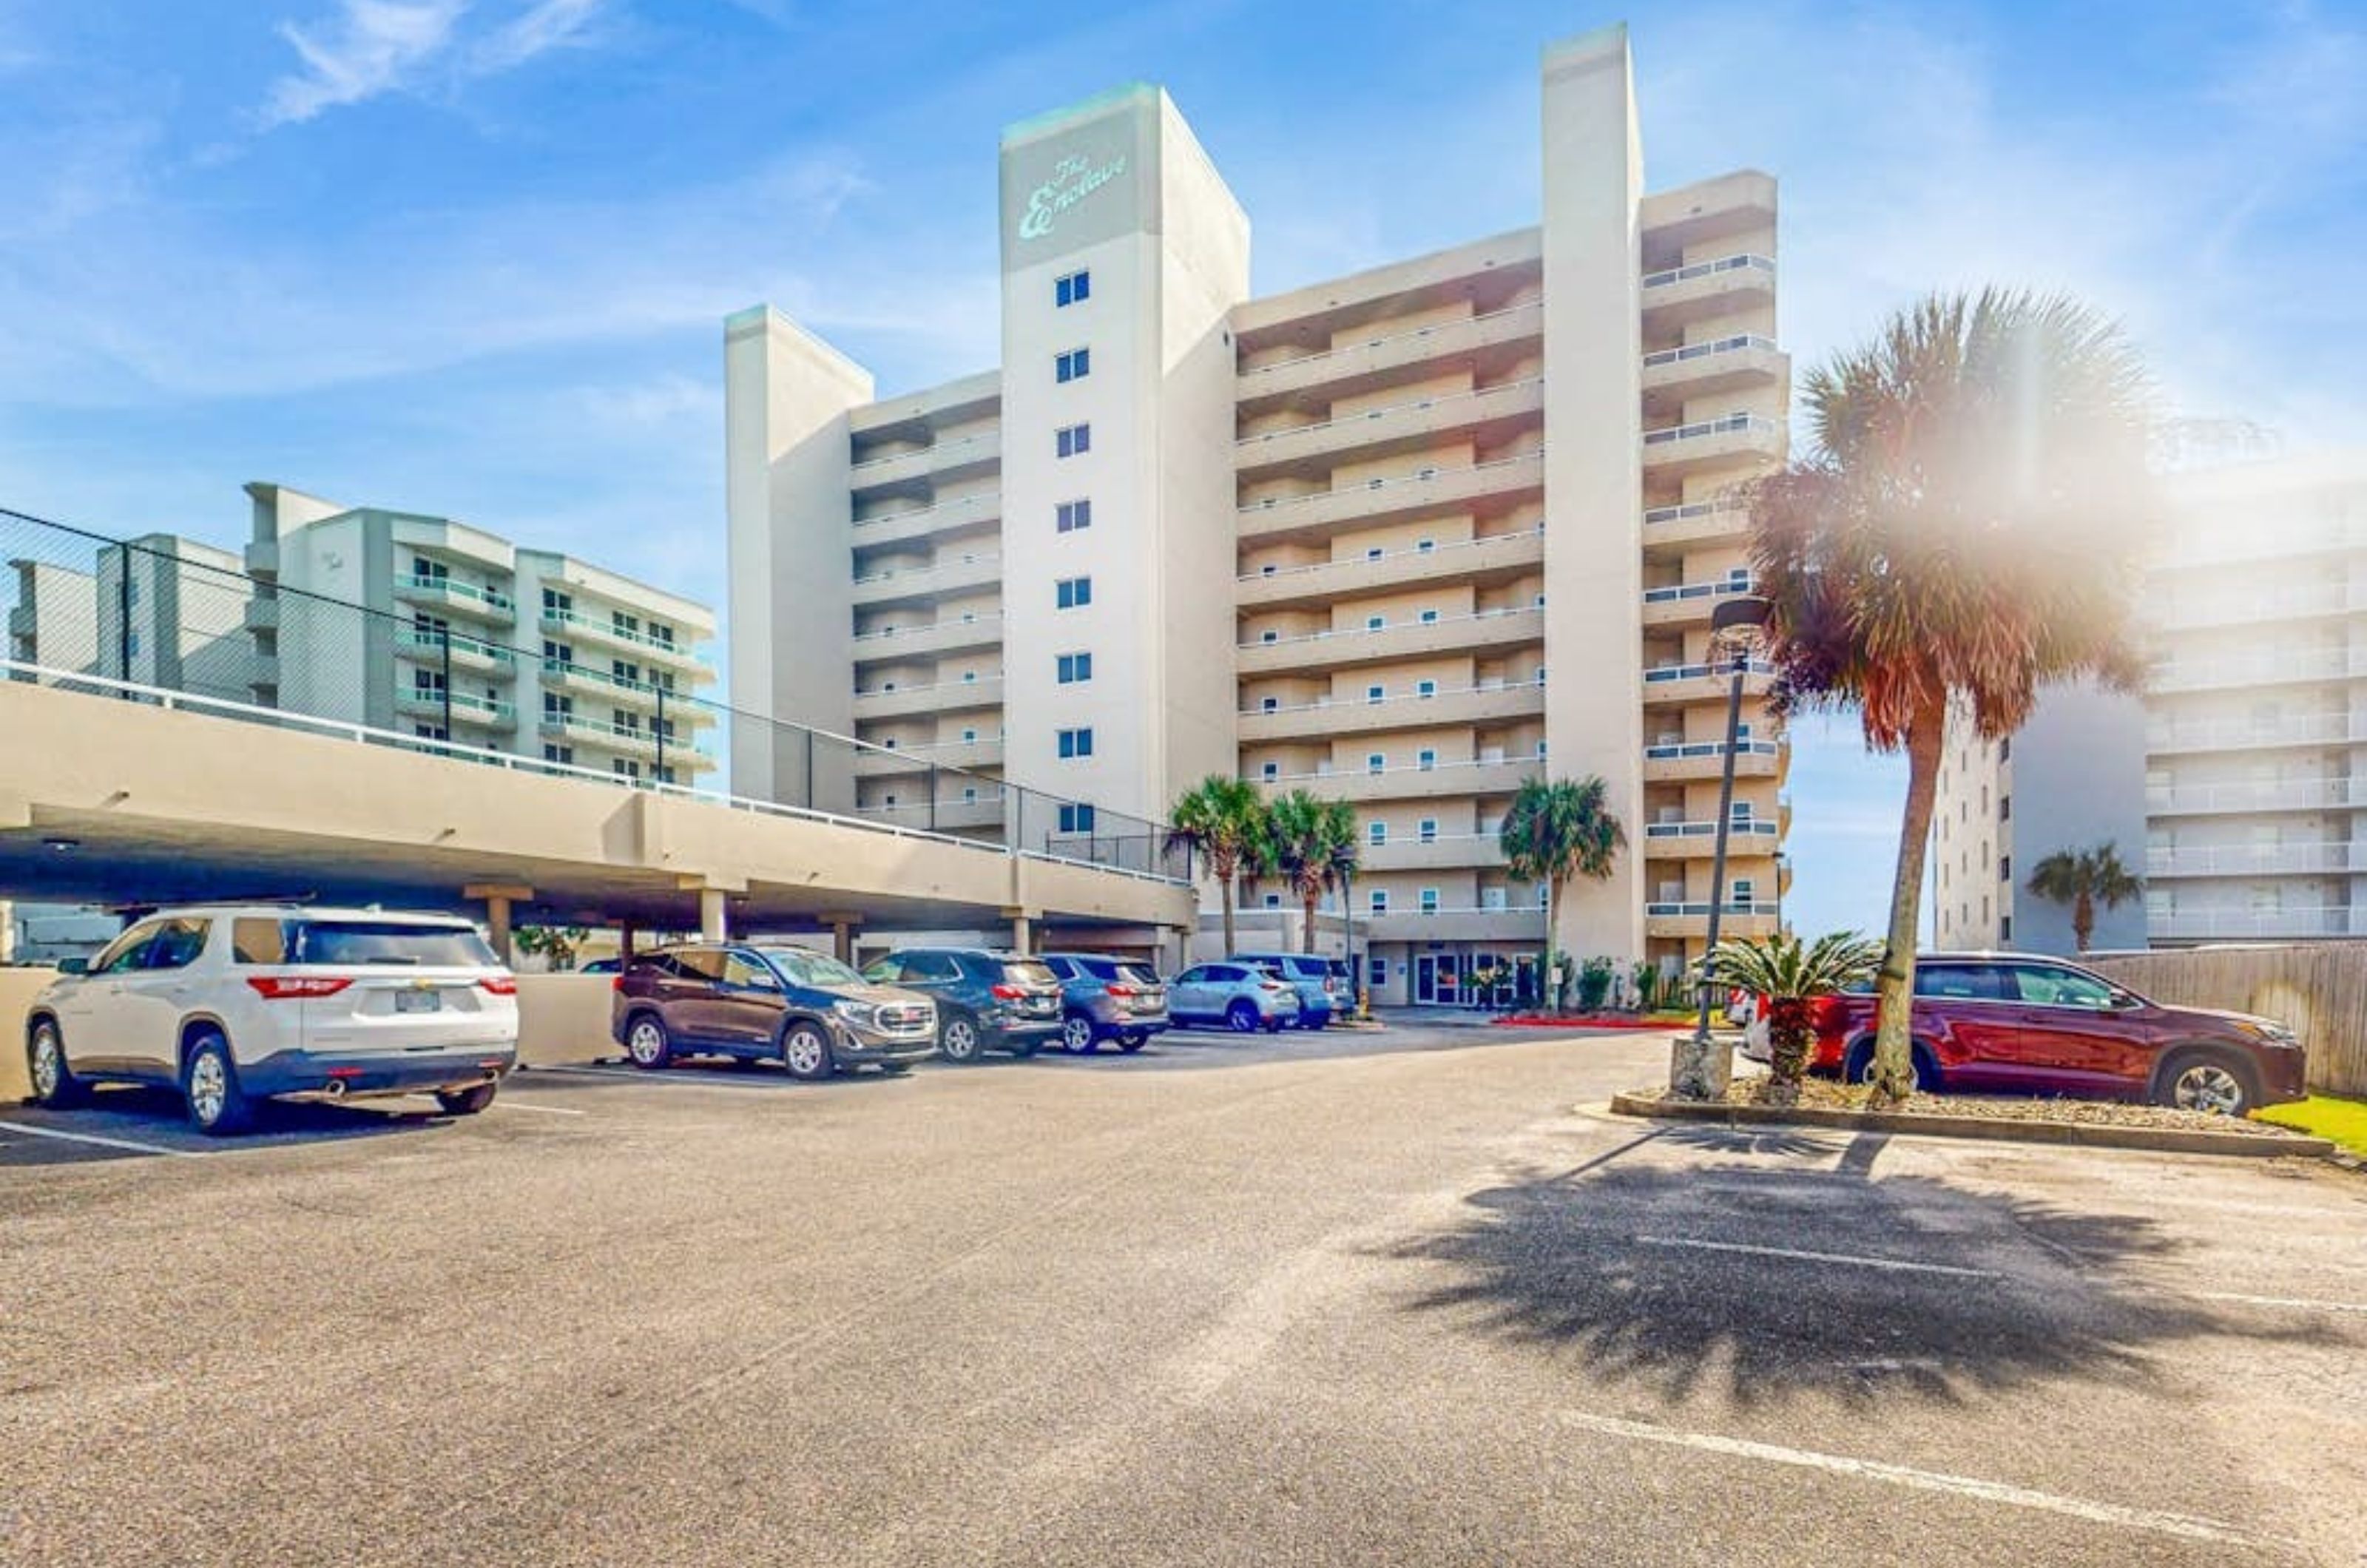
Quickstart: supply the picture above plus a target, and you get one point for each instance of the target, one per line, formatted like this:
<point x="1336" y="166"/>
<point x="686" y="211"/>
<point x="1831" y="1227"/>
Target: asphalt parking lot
<point x="1386" y="1298"/>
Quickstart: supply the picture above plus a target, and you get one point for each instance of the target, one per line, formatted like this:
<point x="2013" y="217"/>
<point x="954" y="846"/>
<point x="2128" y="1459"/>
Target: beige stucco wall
<point x="17" y="988"/>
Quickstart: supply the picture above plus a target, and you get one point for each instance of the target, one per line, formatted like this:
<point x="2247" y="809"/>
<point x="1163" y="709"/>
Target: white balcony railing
<point x="1442" y="400"/>
<point x="1433" y="549"/>
<point x="957" y="444"/>
<point x="1694" y="511"/>
<point x="1532" y="307"/>
<point x="1666" y="673"/>
<point x="2255" y="860"/>
<point x="2230" y="734"/>
<point x="1394" y="770"/>
<point x="1426" y="477"/>
<point x="2293" y="794"/>
<point x="923" y="628"/>
<point x="1675" y="592"/>
<point x="1686" y="353"/>
<point x="1388" y="627"/>
<point x="1328" y="704"/>
<point x="967" y="557"/>
<point x="963" y="503"/>
<point x="1686" y="274"/>
<point x="1725" y="425"/>
<point x="1688" y="910"/>
<point x="2326" y="921"/>
<point x="1679" y="751"/>
<point x="2197" y="673"/>
<point x="1742" y="827"/>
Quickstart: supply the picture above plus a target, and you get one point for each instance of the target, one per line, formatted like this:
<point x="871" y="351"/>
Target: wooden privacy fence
<point x="2320" y="989"/>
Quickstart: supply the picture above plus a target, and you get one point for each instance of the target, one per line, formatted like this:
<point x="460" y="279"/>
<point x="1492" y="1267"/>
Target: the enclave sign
<point x="1073" y="179"/>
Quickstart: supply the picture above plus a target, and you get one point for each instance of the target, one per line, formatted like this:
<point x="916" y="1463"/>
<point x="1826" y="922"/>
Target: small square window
<point x="1269" y="635"/>
<point x="1425" y="688"/>
<point x="1373" y="554"/>
<point x="1074" y="366"/>
<point x="1375" y="622"/>
<point x="1073" y="440"/>
<point x="1073" y="668"/>
<point x="1428" y="617"/>
<point x="1377" y="833"/>
<point x="1380" y="971"/>
<point x="1376" y="761"/>
<point x="1426" y="546"/>
<point x="969" y="737"/>
<point x="1426" y="758"/>
<point x="1072" y="515"/>
<point x="1076" y="819"/>
<point x="1377" y="694"/>
<point x="1274" y="900"/>
<point x="1269" y="704"/>
<point x="1076" y="743"/>
<point x="1072" y="288"/>
<point x="1430" y="900"/>
<point x="1270" y="772"/>
<point x="1378" y="901"/>
<point x="1428" y="832"/>
<point x="1073" y="592"/>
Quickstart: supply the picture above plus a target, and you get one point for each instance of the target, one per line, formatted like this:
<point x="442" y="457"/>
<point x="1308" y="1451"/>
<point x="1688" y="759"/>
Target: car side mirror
<point x="74" y="966"/>
<point x="2121" y="999"/>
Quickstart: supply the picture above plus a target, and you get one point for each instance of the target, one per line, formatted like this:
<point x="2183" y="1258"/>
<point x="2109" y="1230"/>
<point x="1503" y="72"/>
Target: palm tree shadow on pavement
<point x="1729" y="1280"/>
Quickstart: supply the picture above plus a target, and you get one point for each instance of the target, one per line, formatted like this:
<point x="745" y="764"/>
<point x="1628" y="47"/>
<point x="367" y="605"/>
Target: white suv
<point x="237" y="1004"/>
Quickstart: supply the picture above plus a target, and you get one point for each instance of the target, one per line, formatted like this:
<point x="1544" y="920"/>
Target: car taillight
<point x="499" y="986"/>
<point x="287" y="987"/>
<point x="1006" y="993"/>
<point x="1273" y="986"/>
<point x="616" y="982"/>
<point x="1123" y="991"/>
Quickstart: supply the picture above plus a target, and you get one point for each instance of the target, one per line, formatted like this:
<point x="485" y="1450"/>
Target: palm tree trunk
<point x="2083" y="921"/>
<point x="1225" y="880"/>
<point x="1307" y="928"/>
<point x="1545" y="963"/>
<point x="1893" y="1061"/>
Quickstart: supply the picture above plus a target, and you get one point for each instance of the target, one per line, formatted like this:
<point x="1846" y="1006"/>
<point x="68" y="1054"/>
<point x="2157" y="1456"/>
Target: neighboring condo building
<point x="2243" y="799"/>
<point x="158" y="610"/>
<point x="478" y="640"/>
<point x="1407" y="537"/>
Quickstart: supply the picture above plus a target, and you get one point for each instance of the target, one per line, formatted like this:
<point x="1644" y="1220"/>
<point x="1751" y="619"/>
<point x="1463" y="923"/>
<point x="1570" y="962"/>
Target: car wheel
<point x="1077" y="1035"/>
<point x="1859" y="1068"/>
<point x="1132" y="1040"/>
<point x="957" y="1041"/>
<point x="1241" y="1018"/>
<point x="648" y="1043"/>
<point x="805" y="1052"/>
<point x="2208" y="1082"/>
<point x="1311" y="1023"/>
<point x="54" y="1084"/>
<point x="466" y="1102"/>
<point x="217" y="1107"/>
<point x="894" y="1069"/>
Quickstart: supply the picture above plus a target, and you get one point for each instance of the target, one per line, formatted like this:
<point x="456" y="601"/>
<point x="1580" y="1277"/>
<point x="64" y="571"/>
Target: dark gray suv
<point x="803" y="1008"/>
<point x="986" y="999"/>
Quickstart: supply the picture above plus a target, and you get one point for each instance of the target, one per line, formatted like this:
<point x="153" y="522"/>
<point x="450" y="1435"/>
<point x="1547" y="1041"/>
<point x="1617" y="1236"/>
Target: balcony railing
<point x="2326" y="921"/>
<point x="1426" y="477"/>
<point x="1701" y="911"/>
<point x="967" y="557"/>
<point x="2234" y="734"/>
<point x="554" y="619"/>
<point x="1442" y="400"/>
<point x="420" y="641"/>
<point x="1529" y="307"/>
<point x="1386" y="627"/>
<point x="1663" y="674"/>
<point x="464" y="706"/>
<point x="921" y="629"/>
<point x="1677" y="751"/>
<point x="1744" y="263"/>
<point x="1432" y="550"/>
<point x="1338" y="776"/>
<point x="963" y="503"/>
<point x="2255" y="860"/>
<point x="1692" y="351"/>
<point x="1328" y="704"/>
<point x="453" y="590"/>
<point x="1725" y="425"/>
<point x="932" y="449"/>
<point x="1694" y="510"/>
<point x="2293" y="794"/>
<point x="2197" y="673"/>
<point x="2291" y="602"/>
<point x="1742" y="827"/>
<point x="1720" y="589"/>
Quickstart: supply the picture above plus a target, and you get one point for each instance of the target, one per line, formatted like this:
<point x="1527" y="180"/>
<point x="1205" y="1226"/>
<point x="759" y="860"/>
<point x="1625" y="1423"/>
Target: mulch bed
<point x="1824" y="1094"/>
<point x="1584" y="1021"/>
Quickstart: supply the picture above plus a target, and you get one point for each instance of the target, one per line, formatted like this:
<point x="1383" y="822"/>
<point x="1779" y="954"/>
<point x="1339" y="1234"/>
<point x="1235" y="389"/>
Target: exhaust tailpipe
<point x="335" y="1089"/>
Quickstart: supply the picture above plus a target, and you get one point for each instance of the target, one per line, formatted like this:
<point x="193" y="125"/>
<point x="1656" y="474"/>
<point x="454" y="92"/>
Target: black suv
<point x="986" y="999"/>
<point x="754" y="1002"/>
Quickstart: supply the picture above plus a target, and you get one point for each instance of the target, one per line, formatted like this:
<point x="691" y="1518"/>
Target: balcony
<point x="1674" y="529"/>
<point x="1442" y="852"/>
<point x="579" y="728"/>
<point x="941" y="462"/>
<point x="2298" y="667"/>
<point x="419" y="644"/>
<point x="1681" y="295"/>
<point x="1738" y="361"/>
<point x="1355" y="716"/>
<point x="1684" y="761"/>
<point x="1690" y="603"/>
<point x="1350" y="646"/>
<point x="967" y="572"/>
<point x="940" y="696"/>
<point x="1413" y="782"/>
<point x="1430" y="493"/>
<point x="2296" y="795"/>
<point x="1350" y="368"/>
<point x="962" y="634"/>
<point x="1691" y="919"/>
<point x="1496" y="558"/>
<point x="487" y="604"/>
<point x="645" y="695"/>
<point x="888" y="762"/>
<point x="2289" y="602"/>
<point x="2225" y="925"/>
<point x="1488" y="415"/>
<point x="1679" y="683"/>
<point x="577" y="627"/>
<point x="1506" y="923"/>
<point x="2256" y="860"/>
<point x="2248" y="734"/>
<point x="481" y="713"/>
<point x="956" y="514"/>
<point x="1730" y="441"/>
<point x="2255" y="542"/>
<point x="1698" y="841"/>
<point x="260" y="613"/>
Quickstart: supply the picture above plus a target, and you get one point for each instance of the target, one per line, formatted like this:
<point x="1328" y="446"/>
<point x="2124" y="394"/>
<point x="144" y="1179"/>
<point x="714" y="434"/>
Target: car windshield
<point x="1028" y="972"/>
<point x="803" y="966"/>
<point x="344" y="943"/>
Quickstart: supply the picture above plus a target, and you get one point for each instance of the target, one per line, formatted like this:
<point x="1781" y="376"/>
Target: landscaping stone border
<point x="2082" y="1134"/>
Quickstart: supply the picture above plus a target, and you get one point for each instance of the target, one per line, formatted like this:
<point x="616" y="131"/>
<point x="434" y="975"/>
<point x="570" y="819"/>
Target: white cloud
<point x="368" y="47"/>
<point x="541" y="27"/>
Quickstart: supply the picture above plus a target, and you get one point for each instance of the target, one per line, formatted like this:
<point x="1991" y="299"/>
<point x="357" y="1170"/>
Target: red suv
<point x="2015" y="1023"/>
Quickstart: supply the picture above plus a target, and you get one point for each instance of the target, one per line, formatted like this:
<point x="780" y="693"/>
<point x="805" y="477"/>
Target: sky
<point x="472" y="257"/>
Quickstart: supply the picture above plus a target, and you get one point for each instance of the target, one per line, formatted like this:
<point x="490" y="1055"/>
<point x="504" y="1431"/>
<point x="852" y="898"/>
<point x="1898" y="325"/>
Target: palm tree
<point x="1965" y="530"/>
<point x="1224" y="818"/>
<point x="1555" y="830"/>
<point x="2082" y="878"/>
<point x="1787" y="977"/>
<point x="1308" y="843"/>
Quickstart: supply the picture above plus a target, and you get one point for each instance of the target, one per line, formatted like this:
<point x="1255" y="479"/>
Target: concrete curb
<point x="2079" y="1134"/>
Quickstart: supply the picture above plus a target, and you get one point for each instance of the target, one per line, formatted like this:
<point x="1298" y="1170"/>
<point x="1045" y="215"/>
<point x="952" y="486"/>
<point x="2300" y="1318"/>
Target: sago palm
<point x="1965" y="530"/>
<point x="1556" y="829"/>
<point x="1222" y="818"/>
<point x="1308" y="842"/>
<point x="1787" y="978"/>
<point x="2083" y="879"/>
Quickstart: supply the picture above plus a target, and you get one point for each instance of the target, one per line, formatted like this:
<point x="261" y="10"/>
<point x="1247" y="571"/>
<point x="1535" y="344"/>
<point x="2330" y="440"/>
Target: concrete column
<point x="843" y="940"/>
<point x="713" y="924"/>
<point x="8" y="932"/>
<point x="1023" y="931"/>
<point x="498" y="899"/>
<point x="625" y="935"/>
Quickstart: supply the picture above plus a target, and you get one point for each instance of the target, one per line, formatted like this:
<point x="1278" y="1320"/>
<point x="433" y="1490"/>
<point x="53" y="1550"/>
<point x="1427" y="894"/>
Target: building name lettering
<point x="1073" y="179"/>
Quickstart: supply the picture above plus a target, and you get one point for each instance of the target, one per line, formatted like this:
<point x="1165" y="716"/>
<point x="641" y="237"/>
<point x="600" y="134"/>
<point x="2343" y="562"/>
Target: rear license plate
<point x="418" y="1001"/>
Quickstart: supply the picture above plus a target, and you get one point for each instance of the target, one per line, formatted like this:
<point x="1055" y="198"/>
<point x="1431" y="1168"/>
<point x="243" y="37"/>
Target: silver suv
<point x="1243" y="998"/>
<point x="1106" y="999"/>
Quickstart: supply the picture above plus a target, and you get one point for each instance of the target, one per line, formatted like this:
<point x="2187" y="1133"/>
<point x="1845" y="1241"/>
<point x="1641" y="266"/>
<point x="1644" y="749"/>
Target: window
<point x="1741" y="814"/>
<point x="1428" y="832"/>
<point x="623" y="623"/>
<point x="1076" y="819"/>
<point x="1743" y="891"/>
<point x="1269" y="635"/>
<point x="1375" y="622"/>
<point x="1072" y="515"/>
<point x="1269" y="704"/>
<point x="1425" y="688"/>
<point x="1376" y="693"/>
<point x="131" y="644"/>
<point x="1274" y="900"/>
<point x="1379" y="901"/>
<point x="131" y="590"/>
<point x="554" y="603"/>
<point x="2005" y="868"/>
<point x="1377" y="833"/>
<point x="1429" y="618"/>
<point x="1380" y="971"/>
<point x="564" y="755"/>
<point x="428" y="683"/>
<point x="429" y="570"/>
<point x="2005" y="808"/>
<point x="969" y="737"/>
<point x="1070" y="440"/>
<point x="558" y="705"/>
<point x="2005" y="928"/>
<point x="1491" y="899"/>
<point x="969" y="794"/>
<point x="430" y="732"/>
<point x="1073" y="668"/>
<point x="1430" y="900"/>
<point x="1270" y="772"/>
<point x="1074" y="366"/>
<point x="1426" y="758"/>
<point x="1072" y="288"/>
<point x="1426" y="546"/>
<point x="1376" y="761"/>
<point x="2005" y="750"/>
<point x="1076" y="742"/>
<point x="2043" y="985"/>
<point x="1073" y="592"/>
<point x="623" y="767"/>
<point x="1374" y="553"/>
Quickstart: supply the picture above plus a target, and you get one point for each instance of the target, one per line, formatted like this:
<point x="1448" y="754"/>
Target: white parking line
<point x="1853" y="1260"/>
<point x="546" y="1109"/>
<point x="667" y="1080"/>
<point x="134" y="1145"/>
<point x="2185" y="1526"/>
<point x="2294" y="1301"/>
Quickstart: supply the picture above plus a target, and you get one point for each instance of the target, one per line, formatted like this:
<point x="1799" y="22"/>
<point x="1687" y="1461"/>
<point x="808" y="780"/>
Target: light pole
<point x="1699" y="1067"/>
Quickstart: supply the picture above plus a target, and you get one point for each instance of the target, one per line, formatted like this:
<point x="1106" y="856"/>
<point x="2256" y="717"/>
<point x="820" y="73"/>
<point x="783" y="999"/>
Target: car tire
<point x="2218" y="1083"/>
<point x="1132" y="1040"/>
<point x="1311" y="1024"/>
<point x="1078" y="1035"/>
<point x="466" y="1102"/>
<point x="648" y="1043"/>
<point x="894" y="1069"/>
<point x="805" y="1052"/>
<point x="217" y="1107"/>
<point x="48" y="1071"/>
<point x="957" y="1040"/>
<point x="1859" y="1062"/>
<point x="1022" y="1049"/>
<point x="1241" y="1018"/>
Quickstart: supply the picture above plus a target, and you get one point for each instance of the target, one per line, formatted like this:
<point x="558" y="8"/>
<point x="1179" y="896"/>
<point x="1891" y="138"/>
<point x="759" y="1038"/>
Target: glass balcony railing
<point x="1686" y="274"/>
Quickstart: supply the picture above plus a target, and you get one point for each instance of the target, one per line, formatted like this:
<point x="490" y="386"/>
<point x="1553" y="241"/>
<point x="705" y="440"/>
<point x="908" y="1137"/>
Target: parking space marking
<point x="131" y="1144"/>
<point x="2184" y="1526"/>
<point x="676" y="1080"/>
<point x="2294" y="1301"/>
<point x="546" y="1109"/>
<point x="1852" y="1260"/>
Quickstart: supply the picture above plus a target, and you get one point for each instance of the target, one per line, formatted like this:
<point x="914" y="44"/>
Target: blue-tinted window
<point x="1073" y="592"/>
<point x="1072" y="515"/>
<point x="1076" y="742"/>
<point x="1074" y="366"/>
<point x="1075" y="667"/>
<point x="1072" y="289"/>
<point x="1076" y="819"/>
<point x="1074" y="439"/>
